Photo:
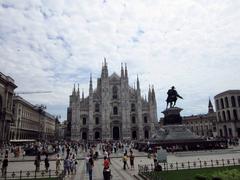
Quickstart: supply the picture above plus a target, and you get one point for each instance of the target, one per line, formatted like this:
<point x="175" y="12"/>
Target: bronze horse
<point x="172" y="97"/>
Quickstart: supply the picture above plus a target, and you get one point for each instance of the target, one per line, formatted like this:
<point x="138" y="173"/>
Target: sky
<point x="48" y="45"/>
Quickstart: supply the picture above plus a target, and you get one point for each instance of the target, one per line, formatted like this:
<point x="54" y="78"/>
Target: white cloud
<point x="51" y="44"/>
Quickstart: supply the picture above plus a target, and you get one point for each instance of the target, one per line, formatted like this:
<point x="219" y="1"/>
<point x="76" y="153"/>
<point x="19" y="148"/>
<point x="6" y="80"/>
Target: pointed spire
<point x="104" y="69"/>
<point x="126" y="71"/>
<point x="74" y="90"/>
<point x="138" y="84"/>
<point x="105" y="61"/>
<point x="78" y="92"/>
<point x="90" y="84"/>
<point x="149" y="94"/>
<point x="210" y="106"/>
<point x="82" y="94"/>
<point x="122" y="71"/>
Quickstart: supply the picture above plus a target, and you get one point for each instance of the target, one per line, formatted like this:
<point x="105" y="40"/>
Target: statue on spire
<point x="172" y="97"/>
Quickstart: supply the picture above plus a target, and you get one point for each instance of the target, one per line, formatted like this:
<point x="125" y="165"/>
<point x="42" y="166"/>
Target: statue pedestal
<point x="172" y="116"/>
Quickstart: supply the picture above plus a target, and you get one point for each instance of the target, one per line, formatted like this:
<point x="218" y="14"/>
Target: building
<point x="228" y="113"/>
<point x="7" y="87"/>
<point x="63" y="130"/>
<point x="31" y="121"/>
<point x="113" y="110"/>
<point x="202" y="124"/>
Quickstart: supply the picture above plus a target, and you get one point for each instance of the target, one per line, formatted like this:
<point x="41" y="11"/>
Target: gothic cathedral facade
<point x="113" y="110"/>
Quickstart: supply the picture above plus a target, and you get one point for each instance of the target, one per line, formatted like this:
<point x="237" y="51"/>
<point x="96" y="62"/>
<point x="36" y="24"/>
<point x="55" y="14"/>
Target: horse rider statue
<point x="172" y="97"/>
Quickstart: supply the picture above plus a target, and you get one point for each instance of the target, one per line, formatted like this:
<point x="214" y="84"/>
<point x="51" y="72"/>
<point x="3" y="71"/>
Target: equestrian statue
<point x="172" y="97"/>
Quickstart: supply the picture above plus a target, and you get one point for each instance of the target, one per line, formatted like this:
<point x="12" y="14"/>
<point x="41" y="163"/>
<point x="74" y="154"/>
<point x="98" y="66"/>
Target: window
<point x="238" y="101"/>
<point x="133" y="119"/>
<point x="84" y="121"/>
<point x="226" y="102"/>
<point x="96" y="120"/>
<point x="115" y="110"/>
<point x="133" y="107"/>
<point x="145" y="119"/>
<point x="235" y="114"/>
<point x="233" y="101"/>
<point x="97" y="107"/>
<point x="224" y="115"/>
<point x="114" y="92"/>
<point x="228" y="115"/>
<point x="217" y="103"/>
<point x="222" y="104"/>
<point x="219" y="116"/>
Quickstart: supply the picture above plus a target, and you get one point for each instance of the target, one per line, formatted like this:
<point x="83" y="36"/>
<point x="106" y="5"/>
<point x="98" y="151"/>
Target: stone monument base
<point x="172" y="116"/>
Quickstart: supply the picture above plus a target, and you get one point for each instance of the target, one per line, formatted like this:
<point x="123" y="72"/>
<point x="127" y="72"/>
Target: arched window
<point x="224" y="116"/>
<point x="217" y="104"/>
<point x="115" y="110"/>
<point x="145" y="119"/>
<point x="114" y="92"/>
<point x="84" y="120"/>
<point x="133" y="107"/>
<point x="222" y="104"/>
<point x="84" y="135"/>
<point x="97" y="120"/>
<point x="233" y="101"/>
<point x="133" y="119"/>
<point x="235" y="114"/>
<point x="97" y="109"/>
<point x="219" y="116"/>
<point x="228" y="115"/>
<point x="226" y="102"/>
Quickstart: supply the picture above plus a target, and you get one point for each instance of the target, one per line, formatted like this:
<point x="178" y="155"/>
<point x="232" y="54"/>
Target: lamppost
<point x="41" y="112"/>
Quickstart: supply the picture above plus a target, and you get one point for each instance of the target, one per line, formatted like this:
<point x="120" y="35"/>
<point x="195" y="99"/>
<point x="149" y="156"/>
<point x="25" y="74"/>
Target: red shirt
<point x="106" y="164"/>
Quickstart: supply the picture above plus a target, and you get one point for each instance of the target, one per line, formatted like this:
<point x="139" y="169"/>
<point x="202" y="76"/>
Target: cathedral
<point x="113" y="110"/>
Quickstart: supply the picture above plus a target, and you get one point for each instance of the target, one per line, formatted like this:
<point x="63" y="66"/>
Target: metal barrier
<point x="189" y="165"/>
<point x="33" y="174"/>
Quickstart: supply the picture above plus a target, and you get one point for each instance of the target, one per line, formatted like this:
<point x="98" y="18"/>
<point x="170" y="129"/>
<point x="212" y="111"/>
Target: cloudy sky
<point x="51" y="44"/>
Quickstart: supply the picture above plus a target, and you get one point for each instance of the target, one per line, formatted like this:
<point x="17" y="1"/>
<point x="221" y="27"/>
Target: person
<point x="131" y="157"/>
<point x="66" y="166"/>
<point x="90" y="166"/>
<point x="37" y="162"/>
<point x="106" y="169"/>
<point x="125" y="158"/>
<point x="46" y="162"/>
<point x="58" y="163"/>
<point x="87" y="162"/>
<point x="4" y="166"/>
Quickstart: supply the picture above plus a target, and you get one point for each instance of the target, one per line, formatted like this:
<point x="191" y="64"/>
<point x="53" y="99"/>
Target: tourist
<point x="58" y="163"/>
<point x="90" y="166"/>
<point x="106" y="169"/>
<point x="125" y="158"/>
<point x="87" y="162"/>
<point x="46" y="162"/>
<point x="131" y="157"/>
<point x="37" y="161"/>
<point x="66" y="166"/>
<point x="4" y="166"/>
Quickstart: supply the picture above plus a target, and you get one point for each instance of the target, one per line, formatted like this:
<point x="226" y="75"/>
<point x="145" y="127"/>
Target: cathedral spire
<point x="82" y="94"/>
<point x="149" y="94"/>
<point x="78" y="92"/>
<point x="138" y="84"/>
<point x="210" y="106"/>
<point x="90" y="85"/>
<point x="122" y="71"/>
<point x="74" y="90"/>
<point x="126" y="71"/>
<point x="104" y="69"/>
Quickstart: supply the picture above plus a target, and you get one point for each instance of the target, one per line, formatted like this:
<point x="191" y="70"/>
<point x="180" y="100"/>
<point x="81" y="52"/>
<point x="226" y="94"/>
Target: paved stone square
<point x="16" y="164"/>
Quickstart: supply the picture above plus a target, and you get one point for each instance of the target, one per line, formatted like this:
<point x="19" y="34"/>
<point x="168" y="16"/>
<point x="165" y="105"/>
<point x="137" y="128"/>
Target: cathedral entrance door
<point x="115" y="133"/>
